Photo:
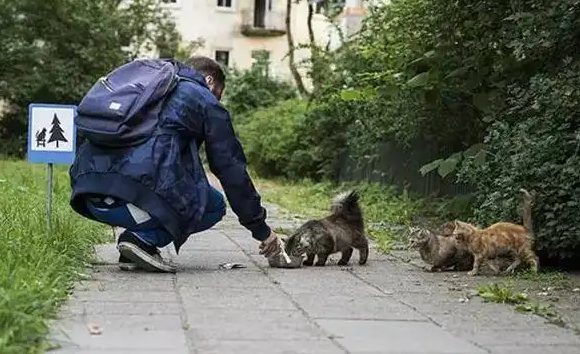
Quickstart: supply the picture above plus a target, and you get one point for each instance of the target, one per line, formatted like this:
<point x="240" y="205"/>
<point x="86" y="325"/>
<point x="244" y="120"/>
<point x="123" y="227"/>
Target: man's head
<point x="215" y="77"/>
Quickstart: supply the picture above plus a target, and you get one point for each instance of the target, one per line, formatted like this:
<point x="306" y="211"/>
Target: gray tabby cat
<point x="441" y="252"/>
<point x="342" y="231"/>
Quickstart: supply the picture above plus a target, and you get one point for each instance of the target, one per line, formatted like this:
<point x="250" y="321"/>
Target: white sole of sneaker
<point x="143" y="259"/>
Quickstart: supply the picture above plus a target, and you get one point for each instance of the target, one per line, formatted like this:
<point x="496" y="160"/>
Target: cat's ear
<point x="460" y="225"/>
<point x="291" y="241"/>
<point x="455" y="225"/>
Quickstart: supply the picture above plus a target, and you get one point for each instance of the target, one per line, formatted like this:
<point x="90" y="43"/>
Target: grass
<point x="386" y="213"/>
<point x="548" y="278"/>
<point x="37" y="270"/>
<point x="504" y="294"/>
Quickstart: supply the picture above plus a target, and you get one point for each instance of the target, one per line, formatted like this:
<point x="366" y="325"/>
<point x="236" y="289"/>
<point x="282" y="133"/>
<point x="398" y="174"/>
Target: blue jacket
<point x="164" y="176"/>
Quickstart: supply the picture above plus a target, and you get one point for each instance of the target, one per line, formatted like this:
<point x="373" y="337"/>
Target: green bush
<point x="45" y="60"/>
<point x="247" y="90"/>
<point x="37" y="270"/>
<point x="536" y="147"/>
<point x="447" y="75"/>
<point x="272" y="141"/>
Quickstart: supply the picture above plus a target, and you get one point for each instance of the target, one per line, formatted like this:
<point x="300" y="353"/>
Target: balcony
<point x="263" y="23"/>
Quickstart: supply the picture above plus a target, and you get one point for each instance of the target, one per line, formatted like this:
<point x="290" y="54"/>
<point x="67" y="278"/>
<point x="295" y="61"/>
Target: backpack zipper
<point x="106" y="84"/>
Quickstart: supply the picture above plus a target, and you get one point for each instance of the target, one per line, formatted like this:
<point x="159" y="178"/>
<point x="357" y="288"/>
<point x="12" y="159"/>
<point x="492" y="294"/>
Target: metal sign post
<point x="51" y="140"/>
<point x="49" y="200"/>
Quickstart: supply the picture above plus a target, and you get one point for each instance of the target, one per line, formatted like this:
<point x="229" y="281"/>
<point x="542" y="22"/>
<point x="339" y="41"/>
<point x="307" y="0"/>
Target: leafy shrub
<point x="272" y="142"/>
<point x="50" y="61"/>
<point x="536" y="147"/>
<point x="247" y="90"/>
<point x="450" y="74"/>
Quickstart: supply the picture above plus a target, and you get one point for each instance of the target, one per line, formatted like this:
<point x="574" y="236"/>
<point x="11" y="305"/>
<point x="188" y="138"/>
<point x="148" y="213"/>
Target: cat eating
<point x="341" y="231"/>
<point x="499" y="239"/>
<point x="439" y="251"/>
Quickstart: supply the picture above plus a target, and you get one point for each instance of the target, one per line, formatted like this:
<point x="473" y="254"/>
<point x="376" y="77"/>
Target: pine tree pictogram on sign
<point x="56" y="132"/>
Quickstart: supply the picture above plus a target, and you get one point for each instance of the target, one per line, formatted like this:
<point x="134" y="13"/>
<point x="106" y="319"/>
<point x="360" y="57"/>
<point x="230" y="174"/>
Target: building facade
<point x="234" y="32"/>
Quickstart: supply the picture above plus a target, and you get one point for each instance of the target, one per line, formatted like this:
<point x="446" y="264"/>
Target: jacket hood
<point x="190" y="74"/>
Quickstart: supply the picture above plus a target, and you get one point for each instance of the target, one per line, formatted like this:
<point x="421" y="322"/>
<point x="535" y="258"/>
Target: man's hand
<point x="271" y="246"/>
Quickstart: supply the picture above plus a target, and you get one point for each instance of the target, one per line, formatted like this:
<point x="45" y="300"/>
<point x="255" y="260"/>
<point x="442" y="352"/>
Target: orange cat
<point x="500" y="239"/>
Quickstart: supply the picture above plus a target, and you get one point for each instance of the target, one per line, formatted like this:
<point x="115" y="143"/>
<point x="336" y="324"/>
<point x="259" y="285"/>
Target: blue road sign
<point x="51" y="133"/>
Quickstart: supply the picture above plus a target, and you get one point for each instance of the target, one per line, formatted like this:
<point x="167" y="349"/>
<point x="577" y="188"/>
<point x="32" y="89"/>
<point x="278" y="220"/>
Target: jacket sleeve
<point x="227" y="161"/>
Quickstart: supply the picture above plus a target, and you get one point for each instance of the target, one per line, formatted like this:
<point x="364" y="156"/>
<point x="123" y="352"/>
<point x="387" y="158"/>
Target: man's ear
<point x="209" y="80"/>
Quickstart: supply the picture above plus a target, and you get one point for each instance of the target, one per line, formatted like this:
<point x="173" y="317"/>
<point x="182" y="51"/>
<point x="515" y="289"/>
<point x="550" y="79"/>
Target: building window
<point x="222" y="57"/>
<point x="224" y="3"/>
<point x="319" y="7"/>
<point x="170" y="1"/>
<point x="260" y="54"/>
<point x="261" y="61"/>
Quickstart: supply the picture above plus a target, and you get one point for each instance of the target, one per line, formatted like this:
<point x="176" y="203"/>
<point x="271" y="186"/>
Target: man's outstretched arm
<point x="227" y="161"/>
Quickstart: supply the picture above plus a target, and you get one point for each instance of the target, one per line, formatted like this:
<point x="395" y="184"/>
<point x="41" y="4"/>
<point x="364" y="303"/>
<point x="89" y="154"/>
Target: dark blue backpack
<point x="122" y="109"/>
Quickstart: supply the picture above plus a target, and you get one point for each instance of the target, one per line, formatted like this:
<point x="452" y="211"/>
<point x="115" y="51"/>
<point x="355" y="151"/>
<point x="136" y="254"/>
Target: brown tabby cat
<point x="439" y="251"/>
<point x="500" y="239"/>
<point x="341" y="231"/>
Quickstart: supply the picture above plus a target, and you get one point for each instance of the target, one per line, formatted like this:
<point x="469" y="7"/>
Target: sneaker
<point x="142" y="255"/>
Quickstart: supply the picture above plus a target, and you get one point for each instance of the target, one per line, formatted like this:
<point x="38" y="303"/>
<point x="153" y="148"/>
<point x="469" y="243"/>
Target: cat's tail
<point x="527" y="211"/>
<point x="346" y="206"/>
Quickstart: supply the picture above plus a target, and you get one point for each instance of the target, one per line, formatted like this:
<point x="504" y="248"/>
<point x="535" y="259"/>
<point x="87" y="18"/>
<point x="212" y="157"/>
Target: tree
<point x="56" y="132"/>
<point x="318" y="60"/>
<point x="291" y="47"/>
<point x="53" y="51"/>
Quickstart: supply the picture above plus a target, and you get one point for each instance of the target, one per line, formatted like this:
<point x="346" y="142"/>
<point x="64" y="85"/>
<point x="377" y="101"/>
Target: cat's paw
<point x="472" y="273"/>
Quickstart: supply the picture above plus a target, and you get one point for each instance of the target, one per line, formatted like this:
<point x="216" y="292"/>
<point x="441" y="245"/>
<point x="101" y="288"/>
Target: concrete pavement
<point x="385" y="307"/>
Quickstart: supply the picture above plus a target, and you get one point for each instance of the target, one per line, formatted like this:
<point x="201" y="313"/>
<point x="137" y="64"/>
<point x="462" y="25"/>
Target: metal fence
<point x="399" y="167"/>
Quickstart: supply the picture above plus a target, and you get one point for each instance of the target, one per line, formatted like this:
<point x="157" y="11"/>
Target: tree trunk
<point x="291" y="61"/>
<point x="309" y="24"/>
<point x="314" y="54"/>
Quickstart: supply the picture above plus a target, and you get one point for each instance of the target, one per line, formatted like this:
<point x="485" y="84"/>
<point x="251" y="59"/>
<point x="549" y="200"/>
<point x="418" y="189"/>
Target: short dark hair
<point x="208" y="67"/>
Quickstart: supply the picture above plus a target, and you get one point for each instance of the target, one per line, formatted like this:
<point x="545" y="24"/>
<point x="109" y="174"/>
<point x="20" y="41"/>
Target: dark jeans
<point x="119" y="213"/>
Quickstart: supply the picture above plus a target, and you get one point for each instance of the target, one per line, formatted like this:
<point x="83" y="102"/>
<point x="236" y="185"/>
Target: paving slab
<point x="291" y="346"/>
<point x="250" y="324"/>
<point x="127" y="339"/>
<point x="385" y="307"/>
<point x="234" y="278"/>
<point x="120" y="351"/>
<point x="364" y="336"/>
<point x="212" y="240"/>
<point x="195" y="260"/>
<point x="322" y="280"/>
<point x="267" y="298"/>
<point x="356" y="307"/>
<point x="536" y="349"/>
